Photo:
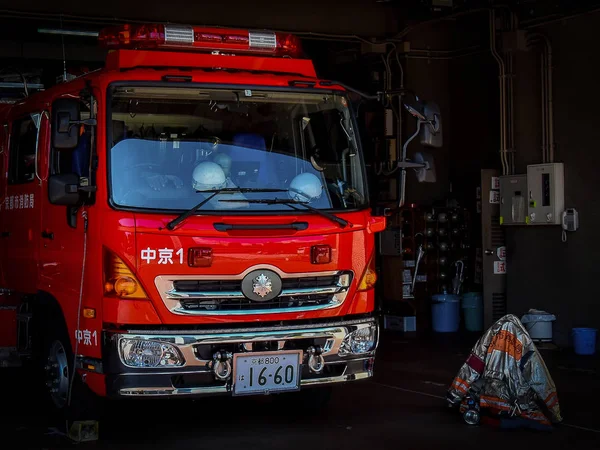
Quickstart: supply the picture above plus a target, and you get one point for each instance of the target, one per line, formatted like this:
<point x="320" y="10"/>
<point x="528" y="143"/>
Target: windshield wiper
<point x="280" y="201"/>
<point x="214" y="192"/>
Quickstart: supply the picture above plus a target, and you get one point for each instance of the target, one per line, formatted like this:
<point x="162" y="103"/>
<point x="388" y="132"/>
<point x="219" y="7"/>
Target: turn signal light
<point x="320" y="254"/>
<point x="369" y="278"/>
<point x="119" y="280"/>
<point x="89" y="313"/>
<point x="200" y="257"/>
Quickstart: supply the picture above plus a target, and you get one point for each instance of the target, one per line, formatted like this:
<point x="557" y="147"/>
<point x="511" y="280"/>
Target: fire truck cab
<point x="192" y="219"/>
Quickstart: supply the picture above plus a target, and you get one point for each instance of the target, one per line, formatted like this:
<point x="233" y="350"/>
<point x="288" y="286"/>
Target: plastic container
<point x="539" y="325"/>
<point x="445" y="317"/>
<point x="584" y="340"/>
<point x="472" y="305"/>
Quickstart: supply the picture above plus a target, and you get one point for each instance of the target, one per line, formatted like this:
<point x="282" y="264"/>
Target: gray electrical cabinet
<point x="513" y="200"/>
<point x="545" y="183"/>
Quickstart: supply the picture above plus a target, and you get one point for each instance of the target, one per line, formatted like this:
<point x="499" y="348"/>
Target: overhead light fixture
<point x="68" y="32"/>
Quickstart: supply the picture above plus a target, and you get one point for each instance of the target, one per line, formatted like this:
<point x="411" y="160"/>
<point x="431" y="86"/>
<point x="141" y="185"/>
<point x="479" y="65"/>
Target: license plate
<point x="269" y="372"/>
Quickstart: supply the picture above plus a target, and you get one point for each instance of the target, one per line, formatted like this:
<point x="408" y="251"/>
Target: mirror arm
<point x="72" y="216"/>
<point x="434" y="124"/>
<point x="348" y="88"/>
<point x="88" y="122"/>
<point x="402" y="180"/>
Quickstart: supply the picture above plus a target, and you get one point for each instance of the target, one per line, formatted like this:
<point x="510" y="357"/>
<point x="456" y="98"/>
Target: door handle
<point x="489" y="252"/>
<point x="47" y="235"/>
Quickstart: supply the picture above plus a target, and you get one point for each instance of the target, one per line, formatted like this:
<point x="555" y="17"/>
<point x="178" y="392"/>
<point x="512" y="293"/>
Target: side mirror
<point x="428" y="113"/>
<point x="63" y="189"/>
<point x="65" y="117"/>
<point x="431" y="134"/>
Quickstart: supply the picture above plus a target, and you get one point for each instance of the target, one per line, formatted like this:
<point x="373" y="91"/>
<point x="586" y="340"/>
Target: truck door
<point x="3" y="174"/>
<point x="61" y="246"/>
<point x="21" y="225"/>
<point x="8" y="306"/>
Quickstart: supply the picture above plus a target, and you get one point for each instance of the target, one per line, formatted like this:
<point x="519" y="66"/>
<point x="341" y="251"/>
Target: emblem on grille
<point x="262" y="285"/>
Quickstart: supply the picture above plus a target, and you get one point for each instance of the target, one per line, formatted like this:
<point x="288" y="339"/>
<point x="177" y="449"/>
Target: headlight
<point x="142" y="353"/>
<point x="360" y="341"/>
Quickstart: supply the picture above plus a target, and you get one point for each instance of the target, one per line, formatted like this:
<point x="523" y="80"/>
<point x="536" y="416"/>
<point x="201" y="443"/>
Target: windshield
<point x="170" y="147"/>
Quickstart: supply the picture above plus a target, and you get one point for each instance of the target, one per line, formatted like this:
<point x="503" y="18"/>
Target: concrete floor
<point x="402" y="406"/>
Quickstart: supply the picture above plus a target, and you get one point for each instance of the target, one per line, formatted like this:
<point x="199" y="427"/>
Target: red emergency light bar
<point x="156" y="36"/>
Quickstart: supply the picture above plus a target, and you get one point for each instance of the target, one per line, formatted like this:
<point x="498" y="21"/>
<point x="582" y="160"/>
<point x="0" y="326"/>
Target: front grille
<point x="235" y="285"/>
<point x="245" y="304"/>
<point x="308" y="282"/>
<point x="205" y="296"/>
<point x="206" y="285"/>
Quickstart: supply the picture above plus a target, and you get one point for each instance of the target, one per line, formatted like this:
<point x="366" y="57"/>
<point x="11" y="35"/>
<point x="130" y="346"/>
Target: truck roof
<point x="180" y="66"/>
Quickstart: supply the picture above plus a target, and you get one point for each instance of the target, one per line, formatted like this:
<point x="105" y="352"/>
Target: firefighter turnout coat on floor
<point x="506" y="372"/>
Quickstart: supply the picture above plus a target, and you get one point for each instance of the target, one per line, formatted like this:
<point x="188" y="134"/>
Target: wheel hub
<point x="57" y="374"/>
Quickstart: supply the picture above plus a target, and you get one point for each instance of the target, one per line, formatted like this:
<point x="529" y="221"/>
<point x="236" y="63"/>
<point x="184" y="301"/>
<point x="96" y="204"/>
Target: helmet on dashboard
<point x="207" y="176"/>
<point x="305" y="187"/>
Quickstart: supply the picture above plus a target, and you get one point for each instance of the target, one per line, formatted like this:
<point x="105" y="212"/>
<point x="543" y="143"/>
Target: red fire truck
<point x="192" y="219"/>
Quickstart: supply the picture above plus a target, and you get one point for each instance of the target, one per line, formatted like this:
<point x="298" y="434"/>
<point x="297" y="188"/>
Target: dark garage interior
<point x="514" y="84"/>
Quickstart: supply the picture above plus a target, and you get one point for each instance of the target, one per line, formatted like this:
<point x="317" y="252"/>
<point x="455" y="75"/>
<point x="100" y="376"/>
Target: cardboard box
<point x="398" y="323"/>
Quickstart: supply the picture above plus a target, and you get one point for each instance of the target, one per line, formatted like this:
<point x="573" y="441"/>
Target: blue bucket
<point x="445" y="313"/>
<point x="472" y="305"/>
<point x="584" y="340"/>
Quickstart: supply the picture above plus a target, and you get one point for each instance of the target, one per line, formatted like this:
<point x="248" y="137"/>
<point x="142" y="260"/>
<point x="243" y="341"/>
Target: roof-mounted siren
<point x="199" y="39"/>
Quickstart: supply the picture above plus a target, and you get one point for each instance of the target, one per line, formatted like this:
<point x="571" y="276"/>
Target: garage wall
<point x="544" y="272"/>
<point x="429" y="78"/>
<point x="325" y="16"/>
<point x="466" y="88"/>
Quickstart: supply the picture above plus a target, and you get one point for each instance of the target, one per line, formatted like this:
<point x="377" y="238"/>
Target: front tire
<point x="57" y="372"/>
<point x="56" y="361"/>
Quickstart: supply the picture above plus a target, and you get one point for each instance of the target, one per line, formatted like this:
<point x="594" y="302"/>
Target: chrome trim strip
<point x="171" y="373"/>
<point x="211" y="390"/>
<point x="311" y="291"/>
<point x="240" y="276"/>
<point x="174" y="294"/>
<point x="253" y="312"/>
<point x="161" y="392"/>
<point x="223" y="295"/>
<point x="231" y="331"/>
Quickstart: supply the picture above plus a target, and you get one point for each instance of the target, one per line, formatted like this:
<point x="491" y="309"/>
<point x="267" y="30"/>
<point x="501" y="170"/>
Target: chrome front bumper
<point x="196" y="378"/>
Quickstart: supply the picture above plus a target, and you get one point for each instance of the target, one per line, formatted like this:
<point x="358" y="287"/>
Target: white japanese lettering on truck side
<point x="86" y="337"/>
<point x="22" y="201"/>
<point x="163" y="255"/>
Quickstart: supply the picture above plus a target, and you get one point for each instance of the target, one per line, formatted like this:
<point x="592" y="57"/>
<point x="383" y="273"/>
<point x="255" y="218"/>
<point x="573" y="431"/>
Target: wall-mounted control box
<point x="513" y="200"/>
<point x="546" y="194"/>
